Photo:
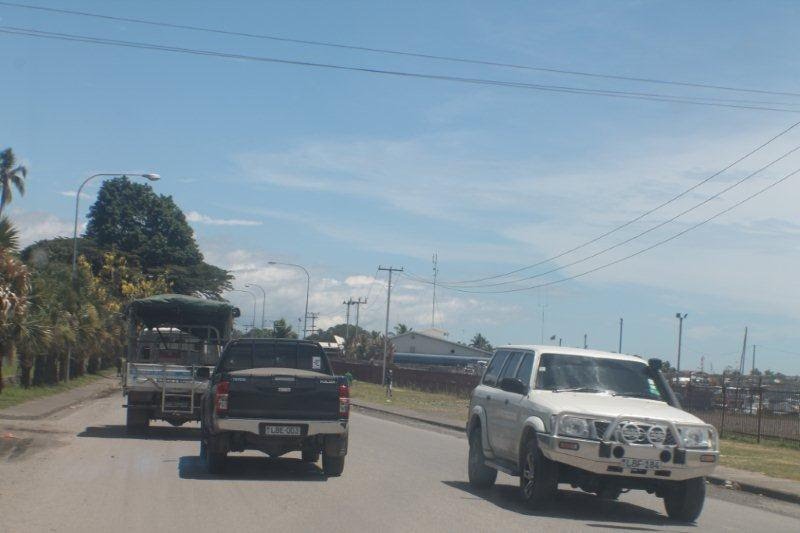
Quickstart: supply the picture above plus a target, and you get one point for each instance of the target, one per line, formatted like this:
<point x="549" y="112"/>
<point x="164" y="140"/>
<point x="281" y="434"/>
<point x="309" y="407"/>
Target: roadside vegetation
<point x="16" y="394"/>
<point x="446" y="406"/>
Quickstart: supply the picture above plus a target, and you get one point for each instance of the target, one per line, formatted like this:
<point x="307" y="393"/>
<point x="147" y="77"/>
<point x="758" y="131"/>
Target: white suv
<point x="602" y="422"/>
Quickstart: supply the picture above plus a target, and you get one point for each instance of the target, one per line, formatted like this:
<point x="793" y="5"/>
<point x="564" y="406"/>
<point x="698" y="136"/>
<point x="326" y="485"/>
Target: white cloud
<point x="194" y="216"/>
<point x="71" y="194"/>
<point x="37" y="225"/>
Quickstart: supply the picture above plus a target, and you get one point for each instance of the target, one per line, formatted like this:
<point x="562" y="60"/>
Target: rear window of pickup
<point x="244" y="355"/>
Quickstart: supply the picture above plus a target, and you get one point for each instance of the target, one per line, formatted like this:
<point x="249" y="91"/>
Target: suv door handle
<point x="506" y="401"/>
<point x="488" y="397"/>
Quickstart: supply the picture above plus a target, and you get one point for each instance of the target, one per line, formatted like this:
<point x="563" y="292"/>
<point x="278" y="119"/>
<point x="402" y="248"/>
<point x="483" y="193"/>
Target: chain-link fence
<point x="754" y="411"/>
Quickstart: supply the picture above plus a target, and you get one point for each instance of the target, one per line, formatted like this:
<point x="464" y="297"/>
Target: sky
<point x="343" y="171"/>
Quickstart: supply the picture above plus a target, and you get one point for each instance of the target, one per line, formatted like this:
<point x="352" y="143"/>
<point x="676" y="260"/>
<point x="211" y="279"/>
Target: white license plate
<point x="281" y="431"/>
<point x="641" y="464"/>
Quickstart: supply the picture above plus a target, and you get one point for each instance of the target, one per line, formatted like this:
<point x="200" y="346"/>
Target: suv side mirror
<point x="654" y="364"/>
<point x="513" y="385"/>
<point x="202" y="373"/>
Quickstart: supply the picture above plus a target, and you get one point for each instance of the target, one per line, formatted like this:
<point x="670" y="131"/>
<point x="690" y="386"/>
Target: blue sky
<point x="343" y="171"/>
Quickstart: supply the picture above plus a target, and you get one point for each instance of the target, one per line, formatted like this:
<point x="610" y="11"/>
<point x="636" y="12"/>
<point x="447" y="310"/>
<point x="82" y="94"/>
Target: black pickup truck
<point x="276" y="396"/>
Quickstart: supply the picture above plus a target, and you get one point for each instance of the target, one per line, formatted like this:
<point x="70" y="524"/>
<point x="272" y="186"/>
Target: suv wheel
<point x="480" y="475"/>
<point x="684" y="501"/>
<point x="332" y="466"/>
<point x="538" y="478"/>
<point x="310" y="456"/>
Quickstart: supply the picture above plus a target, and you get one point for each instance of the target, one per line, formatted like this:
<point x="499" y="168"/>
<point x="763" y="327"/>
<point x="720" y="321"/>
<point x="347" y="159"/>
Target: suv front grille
<point x="601" y="426"/>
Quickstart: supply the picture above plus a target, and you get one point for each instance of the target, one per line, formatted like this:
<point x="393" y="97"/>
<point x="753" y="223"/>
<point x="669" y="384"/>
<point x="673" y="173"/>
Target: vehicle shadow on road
<point x="152" y="433"/>
<point x="574" y="505"/>
<point x="248" y="468"/>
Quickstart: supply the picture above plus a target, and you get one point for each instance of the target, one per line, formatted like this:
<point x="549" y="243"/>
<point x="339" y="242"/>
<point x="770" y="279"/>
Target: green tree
<point x="131" y="219"/>
<point x="9" y="236"/>
<point x="480" y="342"/>
<point x="12" y="176"/>
<point x="401" y="328"/>
<point x="282" y="330"/>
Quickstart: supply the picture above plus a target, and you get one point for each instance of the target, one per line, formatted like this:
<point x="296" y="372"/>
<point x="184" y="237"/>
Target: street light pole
<point x="148" y="176"/>
<point x="308" y="289"/>
<point x="263" y="301"/>
<point x="680" y="318"/>
<point x="255" y="299"/>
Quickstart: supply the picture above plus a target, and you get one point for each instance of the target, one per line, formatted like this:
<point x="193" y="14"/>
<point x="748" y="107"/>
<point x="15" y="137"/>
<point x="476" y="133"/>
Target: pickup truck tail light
<point x="344" y="401"/>
<point x="221" y="397"/>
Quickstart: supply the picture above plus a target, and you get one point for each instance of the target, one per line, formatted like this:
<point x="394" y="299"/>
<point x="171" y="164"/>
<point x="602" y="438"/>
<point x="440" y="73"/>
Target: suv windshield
<point x="243" y="355"/>
<point x="576" y="373"/>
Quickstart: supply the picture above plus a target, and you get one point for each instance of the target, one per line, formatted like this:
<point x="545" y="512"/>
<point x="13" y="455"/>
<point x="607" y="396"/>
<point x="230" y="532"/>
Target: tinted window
<point x="525" y="369"/>
<point x="493" y="370"/>
<point x="244" y="355"/>
<point x="511" y="365"/>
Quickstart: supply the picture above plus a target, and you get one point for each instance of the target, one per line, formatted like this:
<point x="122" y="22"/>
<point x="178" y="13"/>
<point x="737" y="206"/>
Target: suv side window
<point x="493" y="370"/>
<point x="511" y="365"/>
<point x="525" y="369"/>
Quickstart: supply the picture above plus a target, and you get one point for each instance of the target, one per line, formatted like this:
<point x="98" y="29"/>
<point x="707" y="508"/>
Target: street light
<point x="148" y="176"/>
<point x="680" y="318"/>
<point x="308" y="288"/>
<point x="263" y="301"/>
<point x="254" y="303"/>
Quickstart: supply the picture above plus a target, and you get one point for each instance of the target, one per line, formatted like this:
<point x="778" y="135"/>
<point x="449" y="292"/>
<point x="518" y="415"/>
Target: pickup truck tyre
<point x="332" y="466"/>
<point x="538" y="476"/>
<point x="684" y="501"/>
<point x="310" y="456"/>
<point x="136" y="420"/>
<point x="215" y="461"/>
<point x="480" y="475"/>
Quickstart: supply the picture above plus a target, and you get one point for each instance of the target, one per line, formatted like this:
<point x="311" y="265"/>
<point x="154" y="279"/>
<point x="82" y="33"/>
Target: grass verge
<point x="447" y="406"/>
<point x="776" y="459"/>
<point x="14" y="394"/>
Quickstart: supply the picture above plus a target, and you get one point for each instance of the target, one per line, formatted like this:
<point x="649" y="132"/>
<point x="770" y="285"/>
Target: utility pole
<point x="619" y="350"/>
<point x="542" y="304"/>
<point x="313" y="317"/>
<point x="753" y="372"/>
<point x="348" y="303"/>
<point x="585" y="340"/>
<point x="357" y="303"/>
<point x="680" y="318"/>
<point x="390" y="270"/>
<point x="744" y="349"/>
<point x="435" y="275"/>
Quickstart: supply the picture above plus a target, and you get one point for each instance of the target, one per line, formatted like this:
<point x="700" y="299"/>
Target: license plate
<point x="641" y="464"/>
<point x="281" y="431"/>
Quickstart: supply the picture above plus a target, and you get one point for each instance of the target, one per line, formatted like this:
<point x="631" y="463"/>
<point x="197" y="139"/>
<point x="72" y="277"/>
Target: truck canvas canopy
<point x="187" y="313"/>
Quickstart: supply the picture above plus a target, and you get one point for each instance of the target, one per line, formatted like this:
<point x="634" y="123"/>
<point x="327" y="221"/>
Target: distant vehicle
<point x="276" y="396"/>
<point x="599" y="421"/>
<point x="173" y="343"/>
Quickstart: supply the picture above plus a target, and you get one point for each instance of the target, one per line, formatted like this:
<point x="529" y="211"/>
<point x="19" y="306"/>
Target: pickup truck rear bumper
<point x="253" y="425"/>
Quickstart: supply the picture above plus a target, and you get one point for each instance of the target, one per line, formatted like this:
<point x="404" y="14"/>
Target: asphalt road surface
<point x="80" y="472"/>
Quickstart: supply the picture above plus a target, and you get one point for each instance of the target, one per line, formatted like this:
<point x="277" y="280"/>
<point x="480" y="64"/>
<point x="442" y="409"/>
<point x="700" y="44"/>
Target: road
<point x="80" y="472"/>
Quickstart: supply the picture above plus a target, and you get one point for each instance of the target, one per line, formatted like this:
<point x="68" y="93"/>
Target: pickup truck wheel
<point x="480" y="475"/>
<point x="684" y="501"/>
<point x="136" y="420"/>
<point x="538" y="478"/>
<point x="332" y="466"/>
<point x="215" y="461"/>
<point x="310" y="456"/>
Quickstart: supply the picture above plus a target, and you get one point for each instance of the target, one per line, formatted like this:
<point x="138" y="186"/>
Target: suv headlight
<point x="697" y="437"/>
<point x="573" y="426"/>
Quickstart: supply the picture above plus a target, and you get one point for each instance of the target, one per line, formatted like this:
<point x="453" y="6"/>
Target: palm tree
<point x="401" y="328"/>
<point x="282" y="330"/>
<point x="11" y="176"/>
<point x="480" y="342"/>
<point x="9" y="236"/>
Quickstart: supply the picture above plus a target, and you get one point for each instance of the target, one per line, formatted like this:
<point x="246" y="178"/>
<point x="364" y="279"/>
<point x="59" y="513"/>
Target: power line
<point x="630" y="256"/>
<point x="642" y="233"/>
<point x="406" y="53"/>
<point x="654" y="97"/>
<point x="633" y="220"/>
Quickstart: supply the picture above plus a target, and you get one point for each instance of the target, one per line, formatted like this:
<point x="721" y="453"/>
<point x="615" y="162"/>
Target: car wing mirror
<point x="513" y="385"/>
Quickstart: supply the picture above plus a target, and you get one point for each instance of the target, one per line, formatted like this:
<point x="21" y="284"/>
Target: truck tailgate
<point x="282" y="393"/>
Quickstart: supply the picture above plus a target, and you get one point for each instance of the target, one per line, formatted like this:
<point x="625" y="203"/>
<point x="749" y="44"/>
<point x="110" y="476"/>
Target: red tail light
<point x="344" y="401"/>
<point x="221" y="397"/>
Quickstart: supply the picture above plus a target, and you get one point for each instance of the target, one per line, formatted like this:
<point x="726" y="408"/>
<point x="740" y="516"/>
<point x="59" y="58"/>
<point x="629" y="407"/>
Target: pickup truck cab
<point x="602" y="422"/>
<point x="276" y="396"/>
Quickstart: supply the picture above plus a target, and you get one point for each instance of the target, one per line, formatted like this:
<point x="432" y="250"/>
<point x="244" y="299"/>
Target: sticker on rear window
<point x="316" y="363"/>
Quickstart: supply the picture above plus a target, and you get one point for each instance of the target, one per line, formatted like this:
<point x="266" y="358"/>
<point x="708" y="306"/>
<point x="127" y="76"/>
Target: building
<point x="433" y="342"/>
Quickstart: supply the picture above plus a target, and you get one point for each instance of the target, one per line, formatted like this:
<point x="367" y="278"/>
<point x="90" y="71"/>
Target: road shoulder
<point x="50" y="405"/>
